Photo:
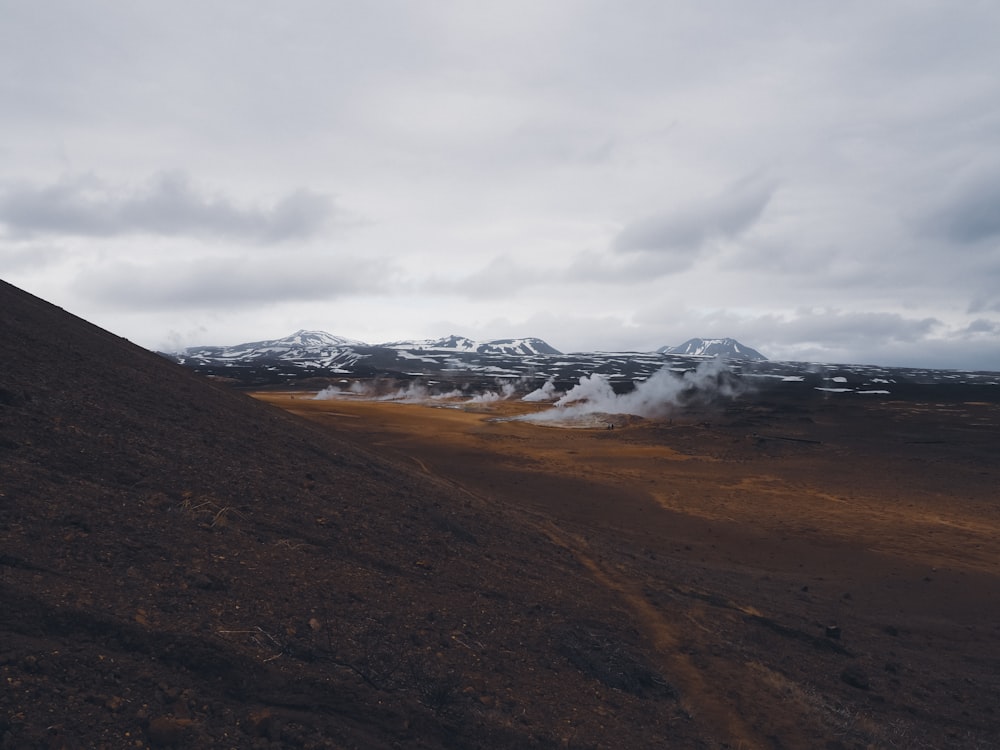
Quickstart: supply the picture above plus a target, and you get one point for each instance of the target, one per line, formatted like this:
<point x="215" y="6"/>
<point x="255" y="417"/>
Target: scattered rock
<point x="833" y="631"/>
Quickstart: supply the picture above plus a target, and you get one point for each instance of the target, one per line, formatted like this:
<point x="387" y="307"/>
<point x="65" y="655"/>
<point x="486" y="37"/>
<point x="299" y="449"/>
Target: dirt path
<point x="699" y="698"/>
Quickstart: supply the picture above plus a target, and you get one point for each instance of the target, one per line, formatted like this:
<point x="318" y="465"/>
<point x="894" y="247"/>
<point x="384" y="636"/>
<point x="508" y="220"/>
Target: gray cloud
<point x="229" y="282"/>
<point x="501" y="277"/>
<point x="686" y="229"/>
<point x="30" y="257"/>
<point x="970" y="209"/>
<point x="505" y="278"/>
<point x="846" y="329"/>
<point x="985" y="303"/>
<point x="168" y="205"/>
<point x="612" y="268"/>
<point x="982" y="326"/>
<point x="972" y="212"/>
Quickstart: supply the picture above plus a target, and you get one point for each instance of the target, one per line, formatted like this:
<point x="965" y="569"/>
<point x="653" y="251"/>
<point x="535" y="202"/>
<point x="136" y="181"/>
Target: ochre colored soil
<point x="735" y="538"/>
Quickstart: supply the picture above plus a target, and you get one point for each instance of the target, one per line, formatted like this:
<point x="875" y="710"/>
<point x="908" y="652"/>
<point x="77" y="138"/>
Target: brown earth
<point x="184" y="566"/>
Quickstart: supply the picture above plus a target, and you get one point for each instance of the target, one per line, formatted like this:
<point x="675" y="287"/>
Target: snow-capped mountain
<point x="312" y="353"/>
<point x="308" y="355"/>
<point x="726" y="348"/>
<point x="462" y="344"/>
<point x="294" y="346"/>
<point x="311" y="349"/>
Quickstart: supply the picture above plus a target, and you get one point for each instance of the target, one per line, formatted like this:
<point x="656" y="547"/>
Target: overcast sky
<point x="820" y="180"/>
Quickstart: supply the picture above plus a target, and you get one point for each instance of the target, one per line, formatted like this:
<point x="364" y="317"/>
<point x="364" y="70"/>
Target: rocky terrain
<point x="182" y="565"/>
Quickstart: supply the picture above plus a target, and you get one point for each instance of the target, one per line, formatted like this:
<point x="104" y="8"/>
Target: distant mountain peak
<point x="726" y="348"/>
<point x="315" y="353"/>
<point x="455" y="343"/>
<point x="304" y="337"/>
<point x="300" y="340"/>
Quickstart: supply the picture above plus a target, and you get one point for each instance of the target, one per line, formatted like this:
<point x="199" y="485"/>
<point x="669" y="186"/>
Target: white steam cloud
<point x="333" y="391"/>
<point x="586" y="403"/>
<point x="412" y="393"/>
<point x="547" y="392"/>
<point x="507" y="390"/>
<point x="654" y="397"/>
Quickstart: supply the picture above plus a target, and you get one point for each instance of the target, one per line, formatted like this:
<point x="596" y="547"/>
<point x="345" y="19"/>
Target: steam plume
<point x="547" y="392"/>
<point x="506" y="391"/>
<point x="654" y="397"/>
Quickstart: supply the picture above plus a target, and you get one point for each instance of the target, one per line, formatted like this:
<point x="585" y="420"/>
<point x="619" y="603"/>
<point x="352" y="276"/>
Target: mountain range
<point x="462" y="344"/>
<point x="306" y="355"/>
<point x="320" y="354"/>
<point x="303" y="343"/>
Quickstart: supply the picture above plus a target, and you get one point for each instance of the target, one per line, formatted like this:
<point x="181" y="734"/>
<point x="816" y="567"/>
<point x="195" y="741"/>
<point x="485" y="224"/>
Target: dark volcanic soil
<point x="184" y="566"/>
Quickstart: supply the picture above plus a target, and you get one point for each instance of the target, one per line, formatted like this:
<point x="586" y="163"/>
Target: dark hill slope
<point x="181" y="565"/>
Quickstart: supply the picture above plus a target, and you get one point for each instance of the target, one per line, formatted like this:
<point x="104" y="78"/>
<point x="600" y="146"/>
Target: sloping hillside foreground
<point x="182" y="565"/>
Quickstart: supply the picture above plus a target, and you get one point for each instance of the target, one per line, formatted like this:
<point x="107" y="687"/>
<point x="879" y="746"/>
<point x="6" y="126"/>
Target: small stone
<point x="315" y="624"/>
<point x="833" y="631"/>
<point x="114" y="703"/>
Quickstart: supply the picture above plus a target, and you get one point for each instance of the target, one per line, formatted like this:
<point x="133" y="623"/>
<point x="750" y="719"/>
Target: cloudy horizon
<point x="819" y="181"/>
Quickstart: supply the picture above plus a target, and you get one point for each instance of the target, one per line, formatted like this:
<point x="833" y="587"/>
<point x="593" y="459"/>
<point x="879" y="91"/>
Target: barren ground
<point x="736" y="537"/>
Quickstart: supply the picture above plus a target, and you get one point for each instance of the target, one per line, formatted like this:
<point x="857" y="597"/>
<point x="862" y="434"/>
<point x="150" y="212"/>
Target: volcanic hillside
<point x="185" y="566"/>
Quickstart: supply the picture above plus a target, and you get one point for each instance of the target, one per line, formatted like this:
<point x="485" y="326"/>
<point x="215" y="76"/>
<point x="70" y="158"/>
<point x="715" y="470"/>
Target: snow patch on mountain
<point x="726" y="348"/>
<point x="453" y="343"/>
<point x="297" y="343"/>
<point x="316" y="349"/>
